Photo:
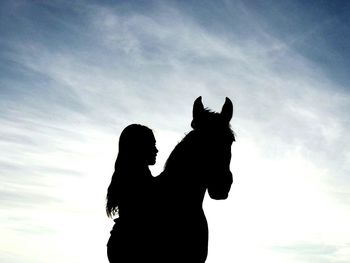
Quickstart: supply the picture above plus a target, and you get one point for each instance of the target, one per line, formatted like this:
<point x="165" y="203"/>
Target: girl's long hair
<point x="131" y="143"/>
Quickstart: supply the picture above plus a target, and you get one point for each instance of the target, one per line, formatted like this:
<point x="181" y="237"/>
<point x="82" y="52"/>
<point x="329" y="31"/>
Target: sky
<point x="73" y="74"/>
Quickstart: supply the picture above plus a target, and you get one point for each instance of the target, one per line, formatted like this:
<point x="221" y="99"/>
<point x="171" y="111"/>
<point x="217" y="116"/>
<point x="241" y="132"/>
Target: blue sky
<point x="73" y="75"/>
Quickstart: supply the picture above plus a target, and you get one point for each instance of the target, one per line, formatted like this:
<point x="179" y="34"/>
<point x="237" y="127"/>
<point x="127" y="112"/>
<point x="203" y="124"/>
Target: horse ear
<point x="227" y="110"/>
<point x="198" y="108"/>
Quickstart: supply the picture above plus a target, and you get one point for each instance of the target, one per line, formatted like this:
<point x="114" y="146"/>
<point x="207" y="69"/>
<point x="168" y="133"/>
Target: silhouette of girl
<point x="129" y="195"/>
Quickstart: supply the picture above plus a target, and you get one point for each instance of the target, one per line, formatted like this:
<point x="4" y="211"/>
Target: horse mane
<point x="180" y="151"/>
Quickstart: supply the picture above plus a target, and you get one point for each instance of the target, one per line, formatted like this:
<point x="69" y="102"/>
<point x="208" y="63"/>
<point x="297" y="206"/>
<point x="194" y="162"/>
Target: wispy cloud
<point x="317" y="251"/>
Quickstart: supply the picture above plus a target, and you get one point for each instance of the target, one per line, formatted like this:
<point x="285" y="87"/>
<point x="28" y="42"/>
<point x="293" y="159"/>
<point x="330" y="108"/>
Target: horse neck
<point x="186" y="173"/>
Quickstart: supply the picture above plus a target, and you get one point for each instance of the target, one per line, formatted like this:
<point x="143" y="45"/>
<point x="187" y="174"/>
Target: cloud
<point x="316" y="251"/>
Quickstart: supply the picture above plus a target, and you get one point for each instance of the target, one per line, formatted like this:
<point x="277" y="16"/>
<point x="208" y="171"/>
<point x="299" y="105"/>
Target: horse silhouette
<point x="199" y="163"/>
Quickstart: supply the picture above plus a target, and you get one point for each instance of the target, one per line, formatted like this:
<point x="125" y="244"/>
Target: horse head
<point x="214" y="137"/>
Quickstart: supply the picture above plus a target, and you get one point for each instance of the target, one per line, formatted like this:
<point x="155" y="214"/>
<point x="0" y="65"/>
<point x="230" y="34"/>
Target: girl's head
<point x="137" y="145"/>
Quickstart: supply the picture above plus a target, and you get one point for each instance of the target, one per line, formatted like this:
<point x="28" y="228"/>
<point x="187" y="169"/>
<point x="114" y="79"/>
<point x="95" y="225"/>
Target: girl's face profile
<point x="151" y="150"/>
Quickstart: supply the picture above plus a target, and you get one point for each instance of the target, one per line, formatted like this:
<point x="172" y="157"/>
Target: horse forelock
<point x="213" y="123"/>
